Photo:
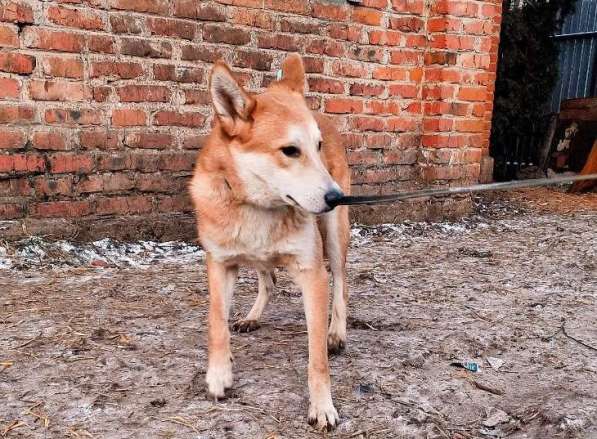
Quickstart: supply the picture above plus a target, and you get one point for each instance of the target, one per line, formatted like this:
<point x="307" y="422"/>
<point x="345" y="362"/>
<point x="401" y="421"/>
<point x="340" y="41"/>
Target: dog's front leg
<point x="314" y="284"/>
<point x="221" y="279"/>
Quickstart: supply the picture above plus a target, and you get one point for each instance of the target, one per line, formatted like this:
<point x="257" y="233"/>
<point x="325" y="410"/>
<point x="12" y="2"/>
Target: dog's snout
<point x="333" y="197"/>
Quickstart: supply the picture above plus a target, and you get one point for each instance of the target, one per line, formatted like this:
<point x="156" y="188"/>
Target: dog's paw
<point x="218" y="379"/>
<point x="245" y="325"/>
<point x="323" y="415"/>
<point x="336" y="344"/>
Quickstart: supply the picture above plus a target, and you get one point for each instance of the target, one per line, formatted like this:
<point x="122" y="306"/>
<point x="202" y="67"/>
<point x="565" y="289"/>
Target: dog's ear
<point x="233" y="105"/>
<point x="293" y="73"/>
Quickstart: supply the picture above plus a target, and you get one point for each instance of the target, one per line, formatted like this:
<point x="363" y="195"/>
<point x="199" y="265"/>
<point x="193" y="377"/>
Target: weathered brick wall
<point x="103" y="103"/>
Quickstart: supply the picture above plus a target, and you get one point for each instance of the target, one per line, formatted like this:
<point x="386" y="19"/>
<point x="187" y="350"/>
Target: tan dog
<point x="268" y="168"/>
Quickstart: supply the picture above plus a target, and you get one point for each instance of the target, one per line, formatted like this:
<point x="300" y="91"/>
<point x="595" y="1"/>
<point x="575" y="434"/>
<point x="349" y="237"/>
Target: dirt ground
<point x="107" y="347"/>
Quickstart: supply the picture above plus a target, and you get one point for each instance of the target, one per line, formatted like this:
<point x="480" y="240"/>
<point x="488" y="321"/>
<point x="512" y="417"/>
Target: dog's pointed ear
<point x="293" y="73"/>
<point x="232" y="104"/>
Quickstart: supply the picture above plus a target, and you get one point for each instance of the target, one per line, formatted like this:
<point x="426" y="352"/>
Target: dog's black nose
<point x="332" y="197"/>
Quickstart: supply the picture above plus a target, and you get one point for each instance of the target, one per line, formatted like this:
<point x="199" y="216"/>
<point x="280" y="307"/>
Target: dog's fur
<point x="256" y="205"/>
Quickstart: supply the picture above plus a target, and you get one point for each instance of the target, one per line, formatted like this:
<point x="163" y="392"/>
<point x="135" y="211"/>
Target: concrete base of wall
<point x="182" y="226"/>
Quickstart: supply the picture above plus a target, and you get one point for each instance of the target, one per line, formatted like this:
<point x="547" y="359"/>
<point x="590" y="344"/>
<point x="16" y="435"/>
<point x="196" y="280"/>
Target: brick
<point x="11" y="211"/>
<point x="313" y="65"/>
<point x="400" y="156"/>
<point x="299" y="26"/>
<point x="292" y="6"/>
<point x="80" y="116"/>
<point x="325" y="85"/>
<point x="366" y="89"/>
<point x="406" y="24"/>
<point x="247" y="3"/>
<point x="369" y="54"/>
<point x="326" y="47"/>
<point x="19" y="63"/>
<point x="61" y="41"/>
<point x="405" y="57"/>
<point x="143" y="93"/>
<point x="64" y="67"/>
<point x="123" y="205"/>
<point x="99" y="139"/>
<point x="470" y="125"/>
<point x="101" y="94"/>
<point x="100" y="44"/>
<point x="121" y="70"/>
<point x="196" y="97"/>
<point x="159" y="7"/>
<point x="107" y="183"/>
<point x="366" y="123"/>
<point x="390" y="74"/>
<point x="171" y="28"/>
<point x="472" y="93"/>
<point x="48" y="187"/>
<point x="16" y="12"/>
<point x="168" y="72"/>
<point x="409" y="6"/>
<point x="9" y="88"/>
<point x="58" y="91"/>
<point x="278" y="41"/>
<point x="363" y="157"/>
<point x="456" y="8"/>
<point x="15" y="187"/>
<point x="151" y="140"/>
<point x="128" y="118"/>
<point x="77" y="18"/>
<point x="215" y="33"/>
<point x="67" y="163"/>
<point x="177" y="161"/>
<point x="367" y="16"/>
<point x="12" y="138"/>
<point x="61" y="209"/>
<point x="254" y="59"/>
<point x="49" y="140"/>
<point x="194" y="9"/>
<point x="22" y="163"/>
<point x="253" y="18"/>
<point x="179" y="203"/>
<point x="145" y="48"/>
<point x="126" y="24"/>
<point x="9" y="36"/>
<point x="330" y="11"/>
<point x="343" y="105"/>
<point x="350" y="69"/>
<point x="203" y="53"/>
<point x="16" y="114"/>
<point x="157" y="183"/>
<point x="386" y="38"/>
<point x="194" y="142"/>
<point x="173" y="118"/>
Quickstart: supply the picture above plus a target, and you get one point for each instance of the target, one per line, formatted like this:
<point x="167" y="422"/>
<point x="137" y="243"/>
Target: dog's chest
<point x="262" y="238"/>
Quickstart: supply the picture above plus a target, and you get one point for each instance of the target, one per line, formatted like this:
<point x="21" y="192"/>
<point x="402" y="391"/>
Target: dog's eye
<point x="291" y="151"/>
<point x="319" y="146"/>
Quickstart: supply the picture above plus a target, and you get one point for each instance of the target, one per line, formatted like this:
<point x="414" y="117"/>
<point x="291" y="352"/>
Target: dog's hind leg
<point x="221" y="280"/>
<point x="337" y="236"/>
<point x="266" y="281"/>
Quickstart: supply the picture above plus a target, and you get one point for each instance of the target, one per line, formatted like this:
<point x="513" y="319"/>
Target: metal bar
<point x="508" y="185"/>
<point x="575" y="35"/>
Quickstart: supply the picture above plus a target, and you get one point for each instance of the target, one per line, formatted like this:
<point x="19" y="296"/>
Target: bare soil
<point x="116" y="351"/>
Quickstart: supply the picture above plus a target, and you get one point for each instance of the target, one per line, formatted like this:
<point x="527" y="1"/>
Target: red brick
<point x="16" y="113"/>
<point x="47" y="187"/>
<point x="150" y="140"/>
<point x="16" y="12"/>
<point x="456" y="8"/>
<point x="330" y="11"/>
<point x="58" y="91"/>
<point x="313" y="65"/>
<point x="472" y="93"/>
<point x="143" y="93"/>
<point x="123" y="205"/>
<point x="173" y="118"/>
<point x="367" y="16"/>
<point x="406" y="24"/>
<point x="368" y="123"/>
<point x="470" y="125"/>
<point x="169" y="72"/>
<point x="99" y="139"/>
<point x="247" y="3"/>
<point x="253" y="18"/>
<point x="401" y="124"/>
<point x="61" y="209"/>
<point x="196" y="97"/>
<point x="324" y="85"/>
<point x="114" y="69"/>
<point x="363" y="157"/>
<point x="66" y="163"/>
<point x="12" y="138"/>
<point x="405" y="57"/>
<point x="325" y="47"/>
<point x="54" y="40"/>
<point x="194" y="9"/>
<point x="126" y="24"/>
<point x="64" y="67"/>
<point x="105" y="183"/>
<point x="171" y="28"/>
<point x="390" y="74"/>
<point x="177" y="161"/>
<point x="100" y="44"/>
<point x="254" y="59"/>
<point x="179" y="203"/>
<point x="9" y="88"/>
<point x="11" y="211"/>
<point x="9" y="36"/>
<point x="203" y="53"/>
<point x="350" y="69"/>
<point x="386" y="38"/>
<point x="366" y="90"/>
<point x="400" y="156"/>
<point x="152" y="6"/>
<point x="146" y="48"/>
<point x="278" y="41"/>
<point x="15" y="187"/>
<point x="128" y="118"/>
<point x="293" y="6"/>
<point x="157" y="183"/>
<point x="412" y="6"/>
<point x="50" y="140"/>
<point x="343" y="105"/>
<point x="101" y="94"/>
<point x="12" y="62"/>
<point x="82" y="116"/>
<point x="193" y="142"/>
<point x="78" y="18"/>
<point x="216" y="33"/>
<point x="22" y="163"/>
<point x="299" y="26"/>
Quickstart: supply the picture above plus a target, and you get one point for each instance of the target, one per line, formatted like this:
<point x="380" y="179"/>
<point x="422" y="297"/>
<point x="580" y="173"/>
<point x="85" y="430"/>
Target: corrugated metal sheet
<point x="578" y="55"/>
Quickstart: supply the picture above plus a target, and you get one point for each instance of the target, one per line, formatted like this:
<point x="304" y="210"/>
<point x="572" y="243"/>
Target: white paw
<point x="323" y="414"/>
<point x="218" y="379"/>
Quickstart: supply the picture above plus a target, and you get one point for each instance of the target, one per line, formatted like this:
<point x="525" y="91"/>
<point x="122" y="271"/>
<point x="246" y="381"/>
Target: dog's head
<point x="274" y="140"/>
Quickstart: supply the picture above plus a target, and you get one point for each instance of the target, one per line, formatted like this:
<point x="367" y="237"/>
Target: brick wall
<point x="103" y="103"/>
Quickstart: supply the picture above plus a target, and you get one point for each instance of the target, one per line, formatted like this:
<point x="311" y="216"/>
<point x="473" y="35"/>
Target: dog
<point x="262" y="189"/>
